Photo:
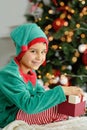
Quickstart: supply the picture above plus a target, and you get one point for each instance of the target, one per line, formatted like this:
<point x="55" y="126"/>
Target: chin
<point x="35" y="68"/>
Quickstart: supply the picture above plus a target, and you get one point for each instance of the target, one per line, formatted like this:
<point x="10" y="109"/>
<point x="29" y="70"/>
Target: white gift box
<point x="76" y="99"/>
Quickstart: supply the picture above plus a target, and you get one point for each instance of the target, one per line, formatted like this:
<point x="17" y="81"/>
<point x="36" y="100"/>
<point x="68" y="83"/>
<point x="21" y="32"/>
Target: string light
<point x="51" y="11"/>
<point x="62" y="3"/>
<point x="83" y="2"/>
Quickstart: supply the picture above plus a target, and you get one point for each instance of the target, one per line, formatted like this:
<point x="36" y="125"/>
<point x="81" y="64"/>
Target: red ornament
<point x="58" y="23"/>
<point x="57" y="73"/>
<point x="62" y="8"/>
<point x="55" y="2"/>
<point x="84" y="57"/>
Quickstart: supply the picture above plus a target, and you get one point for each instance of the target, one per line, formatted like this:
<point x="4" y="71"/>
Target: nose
<point x="39" y="56"/>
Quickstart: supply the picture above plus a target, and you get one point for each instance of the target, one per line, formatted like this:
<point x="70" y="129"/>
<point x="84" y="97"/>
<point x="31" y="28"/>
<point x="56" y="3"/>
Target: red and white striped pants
<point x="45" y="117"/>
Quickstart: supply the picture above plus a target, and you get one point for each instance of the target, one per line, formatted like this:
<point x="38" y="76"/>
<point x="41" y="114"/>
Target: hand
<point x="73" y="90"/>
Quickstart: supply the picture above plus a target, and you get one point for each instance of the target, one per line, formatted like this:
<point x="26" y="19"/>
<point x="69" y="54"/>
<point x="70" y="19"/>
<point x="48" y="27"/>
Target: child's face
<point x="34" y="57"/>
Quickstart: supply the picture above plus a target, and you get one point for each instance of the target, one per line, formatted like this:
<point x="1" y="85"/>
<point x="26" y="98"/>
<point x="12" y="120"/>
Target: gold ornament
<point x="82" y="35"/>
<point x="39" y="77"/>
<point x="77" y="54"/>
<point x="62" y="3"/>
<point x="65" y="23"/>
<point x="74" y="59"/>
<point x="78" y="25"/>
<point x="86" y="67"/>
<point x="50" y="38"/>
<point x="63" y="39"/>
<point x="69" y="16"/>
<point x="64" y="67"/>
<point x="71" y="33"/>
<point x="66" y="32"/>
<point x="63" y="15"/>
<point x="69" y="39"/>
<point x="55" y="47"/>
<point x="72" y="11"/>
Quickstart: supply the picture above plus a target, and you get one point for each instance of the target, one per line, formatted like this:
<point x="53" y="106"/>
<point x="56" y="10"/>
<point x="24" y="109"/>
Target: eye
<point x="44" y="52"/>
<point x="33" y="51"/>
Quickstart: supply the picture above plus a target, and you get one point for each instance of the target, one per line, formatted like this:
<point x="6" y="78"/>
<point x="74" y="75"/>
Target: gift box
<point x="73" y="106"/>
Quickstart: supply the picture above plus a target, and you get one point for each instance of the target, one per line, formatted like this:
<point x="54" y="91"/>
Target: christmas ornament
<point x="69" y="67"/>
<point x="56" y="73"/>
<point x="62" y="8"/>
<point x="58" y="23"/>
<point x="84" y="57"/>
<point x="74" y="59"/>
<point x="63" y="80"/>
<point x="77" y="54"/>
<point x="55" y="2"/>
<point x="54" y="80"/>
<point x="38" y="13"/>
<point x="34" y="7"/>
<point x="82" y="48"/>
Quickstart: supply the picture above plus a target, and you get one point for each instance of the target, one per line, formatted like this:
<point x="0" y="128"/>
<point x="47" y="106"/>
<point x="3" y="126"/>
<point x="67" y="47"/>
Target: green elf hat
<point x="26" y="35"/>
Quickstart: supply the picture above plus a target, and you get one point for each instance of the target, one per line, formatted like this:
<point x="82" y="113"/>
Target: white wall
<point x="11" y="14"/>
<point x="7" y="50"/>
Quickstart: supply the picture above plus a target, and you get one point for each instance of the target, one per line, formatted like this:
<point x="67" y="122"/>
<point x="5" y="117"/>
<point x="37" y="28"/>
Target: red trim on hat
<point x="36" y="40"/>
<point x="20" y="55"/>
<point x="24" y="48"/>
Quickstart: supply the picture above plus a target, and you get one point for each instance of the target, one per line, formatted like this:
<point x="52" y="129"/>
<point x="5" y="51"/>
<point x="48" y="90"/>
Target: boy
<point x="21" y="96"/>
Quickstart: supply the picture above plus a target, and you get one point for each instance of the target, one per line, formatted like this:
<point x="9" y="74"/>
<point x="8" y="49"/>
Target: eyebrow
<point x="36" y="48"/>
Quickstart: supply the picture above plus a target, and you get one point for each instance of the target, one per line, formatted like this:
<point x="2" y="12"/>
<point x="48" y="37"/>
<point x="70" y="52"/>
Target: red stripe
<point x="48" y="116"/>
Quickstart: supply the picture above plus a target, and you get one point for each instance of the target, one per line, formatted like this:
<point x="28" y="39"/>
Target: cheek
<point x="27" y="56"/>
<point x="44" y="56"/>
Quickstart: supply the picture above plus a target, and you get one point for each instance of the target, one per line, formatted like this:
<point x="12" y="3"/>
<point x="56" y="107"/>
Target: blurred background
<point x="65" y="24"/>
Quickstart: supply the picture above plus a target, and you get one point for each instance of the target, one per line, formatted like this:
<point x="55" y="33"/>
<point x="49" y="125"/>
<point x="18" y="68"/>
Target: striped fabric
<point x="48" y="116"/>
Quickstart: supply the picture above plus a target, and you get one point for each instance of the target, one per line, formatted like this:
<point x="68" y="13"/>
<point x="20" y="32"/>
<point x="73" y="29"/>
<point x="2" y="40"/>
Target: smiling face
<point x="34" y="57"/>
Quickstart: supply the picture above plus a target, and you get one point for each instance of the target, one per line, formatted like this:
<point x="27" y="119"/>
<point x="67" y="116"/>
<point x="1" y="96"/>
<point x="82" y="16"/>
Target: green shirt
<point x="15" y="94"/>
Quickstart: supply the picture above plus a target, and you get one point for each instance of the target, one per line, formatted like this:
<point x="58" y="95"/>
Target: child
<point x="21" y="96"/>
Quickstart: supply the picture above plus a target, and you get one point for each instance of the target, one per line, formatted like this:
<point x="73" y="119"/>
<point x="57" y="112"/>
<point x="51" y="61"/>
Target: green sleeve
<point x="16" y="91"/>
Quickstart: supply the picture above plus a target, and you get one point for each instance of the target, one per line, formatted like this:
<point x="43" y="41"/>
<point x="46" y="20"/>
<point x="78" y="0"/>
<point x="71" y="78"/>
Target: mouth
<point x="37" y="63"/>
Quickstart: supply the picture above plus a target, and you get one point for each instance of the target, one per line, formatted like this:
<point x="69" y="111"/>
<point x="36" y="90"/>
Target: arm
<point x="17" y="93"/>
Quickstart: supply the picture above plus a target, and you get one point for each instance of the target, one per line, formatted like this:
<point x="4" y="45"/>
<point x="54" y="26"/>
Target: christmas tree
<point x="65" y="24"/>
